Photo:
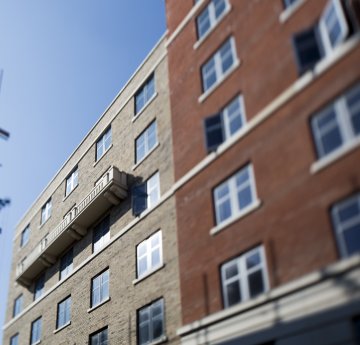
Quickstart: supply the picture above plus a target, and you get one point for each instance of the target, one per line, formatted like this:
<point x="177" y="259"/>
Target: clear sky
<point x="63" y="62"/>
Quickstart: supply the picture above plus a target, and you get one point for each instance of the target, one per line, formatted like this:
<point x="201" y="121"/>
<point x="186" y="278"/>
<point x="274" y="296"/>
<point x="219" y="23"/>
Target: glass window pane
<point x="144" y="334"/>
<point x="349" y="211"/>
<point x="219" y="7"/>
<point x="352" y="239"/>
<point x="244" y="197"/>
<point x="331" y="140"/>
<point x="256" y="283"/>
<point x="233" y="293"/>
<point x="224" y="211"/>
<point x="253" y="260"/>
<point x="155" y="258"/>
<point x="157" y="328"/>
<point x="231" y="270"/>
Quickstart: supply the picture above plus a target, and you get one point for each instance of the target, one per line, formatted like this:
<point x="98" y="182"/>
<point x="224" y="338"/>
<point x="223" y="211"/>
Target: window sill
<point x="288" y="12"/>
<point x="161" y="340"/>
<point x="147" y="155"/>
<point x="202" y="39"/>
<point x="43" y="224"/>
<point x="102" y="156"/>
<point x="208" y="92"/>
<point x="334" y="156"/>
<point x="98" y="305"/>
<point x="36" y="343"/>
<point x="66" y="196"/>
<point x="62" y="327"/>
<point x="148" y="274"/>
<point x="136" y="116"/>
<point x="254" y="206"/>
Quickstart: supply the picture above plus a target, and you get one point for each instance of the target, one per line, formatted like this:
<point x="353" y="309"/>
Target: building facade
<point x="91" y="263"/>
<point x="217" y="199"/>
<point x="265" y="111"/>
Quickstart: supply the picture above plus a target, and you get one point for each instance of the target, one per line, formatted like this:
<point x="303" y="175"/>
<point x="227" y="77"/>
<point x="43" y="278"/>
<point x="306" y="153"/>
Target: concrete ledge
<point x="148" y="274"/>
<point x="62" y="327"/>
<point x="99" y="305"/>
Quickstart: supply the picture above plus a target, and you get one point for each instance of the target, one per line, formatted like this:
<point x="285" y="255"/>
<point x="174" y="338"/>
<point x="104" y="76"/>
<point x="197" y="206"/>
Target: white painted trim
<point x="222" y="78"/>
<point x="161" y="340"/>
<point x="334" y="156"/>
<point x="136" y="116"/>
<point x="148" y="274"/>
<point x="99" y="304"/>
<point x="331" y="271"/>
<point x="199" y="42"/>
<point x="251" y="208"/>
<point x="62" y="327"/>
<point x="288" y="12"/>
<point x="147" y="155"/>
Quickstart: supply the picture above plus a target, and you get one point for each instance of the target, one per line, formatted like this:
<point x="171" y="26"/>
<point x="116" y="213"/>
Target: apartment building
<point x="265" y="107"/>
<point x="95" y="256"/>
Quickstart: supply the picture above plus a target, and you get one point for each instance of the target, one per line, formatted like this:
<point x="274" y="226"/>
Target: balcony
<point x="110" y="190"/>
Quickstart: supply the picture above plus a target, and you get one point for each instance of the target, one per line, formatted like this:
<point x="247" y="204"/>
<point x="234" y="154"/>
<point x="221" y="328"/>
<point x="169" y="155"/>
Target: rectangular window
<point x="223" y="125"/>
<point x="235" y="195"/>
<point x="146" y="195"/>
<point x="66" y="264"/>
<point x="210" y="16"/>
<point x="14" y="340"/>
<point x="63" y="312"/>
<point x="25" y="235"/>
<point x="39" y="287"/>
<point x="312" y="44"/>
<point x="18" y="304"/>
<point x="338" y="124"/>
<point x="100" y="288"/>
<point x="346" y="222"/>
<point x="151" y="322"/>
<point x="144" y="94"/>
<point x="71" y="181"/>
<point x="149" y="254"/>
<point x="46" y="212"/>
<point x="216" y="68"/>
<point x="103" y="144"/>
<point x="244" y="277"/>
<point x="101" y="234"/>
<point x="99" y="337"/>
<point x="35" y="331"/>
<point x="145" y="142"/>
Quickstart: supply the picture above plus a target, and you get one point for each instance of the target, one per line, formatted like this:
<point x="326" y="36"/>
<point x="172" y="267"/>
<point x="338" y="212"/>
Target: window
<point x="151" y="322"/>
<point x="25" y="235"/>
<point x="146" y="195"/>
<point x="18" y="305"/>
<point x="35" y="331"/>
<point x="99" y="338"/>
<point x="235" y="195"/>
<point x="289" y="3"/>
<point x="244" y="277"/>
<point x="346" y="221"/>
<point x="66" y="264"/>
<point x="149" y="254"/>
<point x="146" y="142"/>
<point x="14" y="340"/>
<point x="103" y="144"/>
<point x="39" y="287"/>
<point x="100" y="288"/>
<point x="144" y="94"/>
<point x="221" y="126"/>
<point x="46" y="212"/>
<point x="71" y="181"/>
<point x="338" y="124"/>
<point x="215" y="69"/>
<point x="101" y="234"/>
<point x="63" y="312"/>
<point x="209" y="17"/>
<point x="312" y="44"/>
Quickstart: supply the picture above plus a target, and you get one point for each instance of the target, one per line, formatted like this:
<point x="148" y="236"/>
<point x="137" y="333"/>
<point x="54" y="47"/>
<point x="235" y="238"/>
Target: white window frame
<point x="232" y="195"/>
<point x="35" y="336"/>
<point x="63" y="312"/>
<point x="72" y="181"/>
<point x="150" y="321"/>
<point x="103" y="143"/>
<point x="149" y="249"/>
<point x="145" y="137"/>
<point x="341" y="227"/>
<point x="143" y="92"/>
<point x="153" y="186"/>
<point x="226" y="116"/>
<point x="324" y="29"/>
<point x="210" y="10"/>
<point x="343" y="118"/>
<point x="217" y="60"/>
<point x="18" y="305"/>
<point x="243" y="274"/>
<point x="25" y="236"/>
<point x="46" y="211"/>
<point x="101" y="289"/>
<point x="67" y="269"/>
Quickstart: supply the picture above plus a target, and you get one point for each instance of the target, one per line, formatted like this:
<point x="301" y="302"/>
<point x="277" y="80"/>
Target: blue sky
<point x="63" y="62"/>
